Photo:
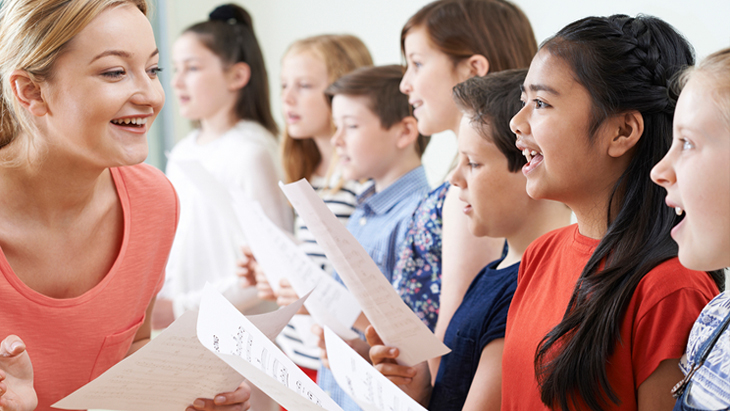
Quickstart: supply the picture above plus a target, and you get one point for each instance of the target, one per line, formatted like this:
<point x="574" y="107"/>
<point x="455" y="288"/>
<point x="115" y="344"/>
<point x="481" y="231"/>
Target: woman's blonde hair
<point x="341" y="54"/>
<point x="716" y="68"/>
<point x="33" y="34"/>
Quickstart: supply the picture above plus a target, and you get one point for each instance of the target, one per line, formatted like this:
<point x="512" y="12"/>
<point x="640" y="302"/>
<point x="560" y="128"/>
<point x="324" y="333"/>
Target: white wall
<point x="378" y="23"/>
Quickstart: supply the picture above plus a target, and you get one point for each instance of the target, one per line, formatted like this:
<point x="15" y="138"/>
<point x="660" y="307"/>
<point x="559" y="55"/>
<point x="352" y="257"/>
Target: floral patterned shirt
<point x="417" y="274"/>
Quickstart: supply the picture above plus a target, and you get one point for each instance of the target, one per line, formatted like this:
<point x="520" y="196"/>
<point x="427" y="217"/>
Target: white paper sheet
<point x="211" y="188"/>
<point x="331" y="304"/>
<point x="280" y="257"/>
<point x="234" y="339"/>
<point x="363" y="383"/>
<point x="175" y="368"/>
<point x="394" y="321"/>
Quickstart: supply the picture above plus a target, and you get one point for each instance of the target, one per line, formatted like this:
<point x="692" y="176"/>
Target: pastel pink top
<point x="72" y="341"/>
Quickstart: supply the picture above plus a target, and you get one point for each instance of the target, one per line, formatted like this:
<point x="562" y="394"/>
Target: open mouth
<point x="138" y="122"/>
<point x="534" y="158"/>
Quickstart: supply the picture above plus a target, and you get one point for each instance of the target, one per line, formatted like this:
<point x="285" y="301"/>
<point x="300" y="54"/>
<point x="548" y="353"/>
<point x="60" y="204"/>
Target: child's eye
<point x="473" y="165"/>
<point x="686" y="144"/>
<point x="523" y="103"/>
<point x="540" y="104"/>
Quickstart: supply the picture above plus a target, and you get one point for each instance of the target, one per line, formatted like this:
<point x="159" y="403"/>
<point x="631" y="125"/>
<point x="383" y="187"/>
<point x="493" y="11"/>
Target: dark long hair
<point x="229" y="35"/>
<point x="625" y="64"/>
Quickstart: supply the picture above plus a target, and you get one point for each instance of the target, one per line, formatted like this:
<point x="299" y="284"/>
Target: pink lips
<point x="536" y="160"/>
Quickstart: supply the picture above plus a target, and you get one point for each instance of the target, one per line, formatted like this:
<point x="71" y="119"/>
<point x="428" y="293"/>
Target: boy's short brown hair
<point x="489" y="103"/>
<point x="381" y="86"/>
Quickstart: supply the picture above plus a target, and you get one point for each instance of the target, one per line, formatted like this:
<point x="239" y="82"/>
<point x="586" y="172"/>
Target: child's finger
<point x="372" y="336"/>
<point x="382" y="353"/>
<point x="396" y="371"/>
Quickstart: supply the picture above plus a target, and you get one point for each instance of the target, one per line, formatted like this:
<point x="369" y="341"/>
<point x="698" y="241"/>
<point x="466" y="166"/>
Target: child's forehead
<point x="350" y="103"/>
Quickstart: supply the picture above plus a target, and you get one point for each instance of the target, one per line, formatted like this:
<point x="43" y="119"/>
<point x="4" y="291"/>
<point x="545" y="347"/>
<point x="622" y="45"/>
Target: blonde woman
<point x="85" y="229"/>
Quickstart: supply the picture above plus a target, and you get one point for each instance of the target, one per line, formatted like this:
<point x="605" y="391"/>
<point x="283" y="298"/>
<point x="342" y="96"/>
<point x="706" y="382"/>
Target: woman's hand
<point x="414" y="381"/>
<point x="16" y="377"/>
<point x="230" y="401"/>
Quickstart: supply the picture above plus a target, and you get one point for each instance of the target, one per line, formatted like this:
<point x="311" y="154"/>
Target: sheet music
<point x="235" y="340"/>
<point x="175" y="368"/>
<point x="363" y="383"/>
<point x="394" y="321"/>
<point x="279" y="257"/>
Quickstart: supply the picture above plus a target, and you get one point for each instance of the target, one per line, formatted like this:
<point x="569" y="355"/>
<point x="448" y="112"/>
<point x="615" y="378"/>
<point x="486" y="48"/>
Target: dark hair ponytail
<point x="229" y="35"/>
<point x="625" y="64"/>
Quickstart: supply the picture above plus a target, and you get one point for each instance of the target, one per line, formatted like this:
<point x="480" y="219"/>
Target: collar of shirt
<point x="382" y="202"/>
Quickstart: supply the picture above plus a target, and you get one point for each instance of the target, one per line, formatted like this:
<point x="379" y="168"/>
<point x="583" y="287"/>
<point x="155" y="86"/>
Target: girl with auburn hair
<point x="85" y="229"/>
<point x="446" y="43"/>
<point x="307" y="68"/>
<point x="696" y="174"/>
<point x="222" y="86"/>
<point x="604" y="305"/>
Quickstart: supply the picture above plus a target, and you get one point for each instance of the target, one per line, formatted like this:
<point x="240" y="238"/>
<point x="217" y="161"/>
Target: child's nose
<point x="518" y="123"/>
<point x="663" y="172"/>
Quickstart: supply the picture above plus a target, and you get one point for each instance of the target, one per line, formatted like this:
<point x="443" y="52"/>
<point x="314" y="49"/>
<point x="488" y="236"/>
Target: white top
<point x="206" y="247"/>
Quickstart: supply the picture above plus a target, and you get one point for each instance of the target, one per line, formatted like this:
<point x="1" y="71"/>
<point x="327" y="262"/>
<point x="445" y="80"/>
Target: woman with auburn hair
<point x="85" y="229"/>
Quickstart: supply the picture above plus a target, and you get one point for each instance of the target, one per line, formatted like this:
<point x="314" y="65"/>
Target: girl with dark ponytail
<point x="603" y="308"/>
<point x="222" y="86"/>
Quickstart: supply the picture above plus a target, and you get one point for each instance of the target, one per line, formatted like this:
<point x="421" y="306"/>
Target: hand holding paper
<point x="394" y="321"/>
<point x="200" y="355"/>
<point x="364" y="384"/>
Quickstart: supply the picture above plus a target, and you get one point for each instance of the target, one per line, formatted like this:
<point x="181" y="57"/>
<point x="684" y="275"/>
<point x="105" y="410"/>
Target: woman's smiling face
<point x="104" y="92"/>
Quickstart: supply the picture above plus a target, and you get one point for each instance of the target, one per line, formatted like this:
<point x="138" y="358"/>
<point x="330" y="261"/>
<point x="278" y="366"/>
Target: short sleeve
<point x="662" y="332"/>
<point x="495" y="324"/>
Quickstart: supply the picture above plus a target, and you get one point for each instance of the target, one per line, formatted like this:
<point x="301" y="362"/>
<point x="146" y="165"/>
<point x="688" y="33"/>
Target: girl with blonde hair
<point x="696" y="175"/>
<point x="307" y="68"/>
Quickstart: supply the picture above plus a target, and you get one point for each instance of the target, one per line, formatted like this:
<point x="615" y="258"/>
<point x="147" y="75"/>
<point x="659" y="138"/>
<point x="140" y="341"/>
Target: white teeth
<point x="528" y="155"/>
<point x="133" y="120"/>
<point x="678" y="210"/>
<point x="533" y="153"/>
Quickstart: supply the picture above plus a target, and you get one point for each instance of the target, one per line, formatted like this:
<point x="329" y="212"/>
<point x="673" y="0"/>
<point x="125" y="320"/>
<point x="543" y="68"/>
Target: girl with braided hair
<point x="603" y="308"/>
<point x="222" y="86"/>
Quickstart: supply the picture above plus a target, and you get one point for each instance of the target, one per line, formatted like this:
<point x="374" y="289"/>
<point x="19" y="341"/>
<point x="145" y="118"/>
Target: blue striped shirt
<point x="379" y="223"/>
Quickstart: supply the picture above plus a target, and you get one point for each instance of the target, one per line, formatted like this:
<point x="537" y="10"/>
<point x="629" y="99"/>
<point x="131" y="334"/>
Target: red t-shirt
<point x="72" y="341"/>
<point x="655" y="328"/>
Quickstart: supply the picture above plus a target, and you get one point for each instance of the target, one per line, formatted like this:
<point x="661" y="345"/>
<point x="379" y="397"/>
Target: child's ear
<point x="408" y="132"/>
<point x="28" y="93"/>
<point x="239" y="75"/>
<point x="627" y="130"/>
<point x="474" y="66"/>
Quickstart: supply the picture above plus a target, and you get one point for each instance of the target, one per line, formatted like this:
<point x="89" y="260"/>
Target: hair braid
<point x="625" y="64"/>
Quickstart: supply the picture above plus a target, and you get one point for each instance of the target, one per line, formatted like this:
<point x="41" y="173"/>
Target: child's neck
<point x="326" y="150"/>
<point x="544" y="217"/>
<point x="213" y="127"/>
<point x="400" y="168"/>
